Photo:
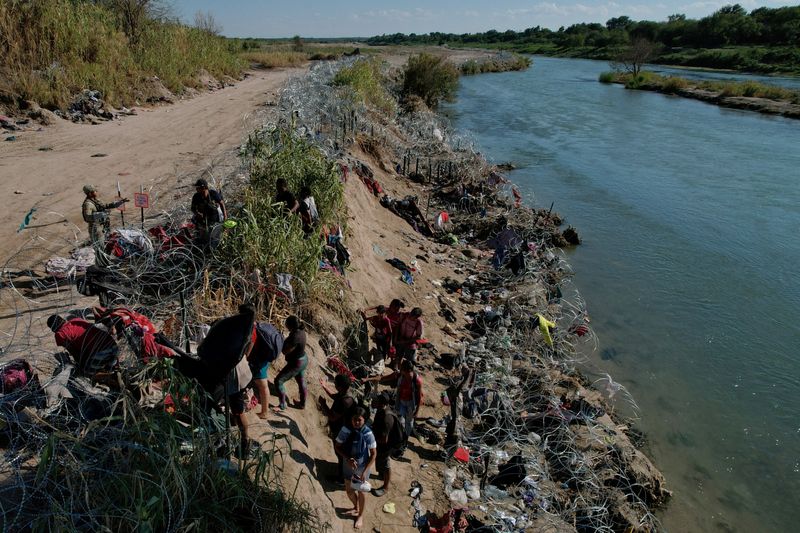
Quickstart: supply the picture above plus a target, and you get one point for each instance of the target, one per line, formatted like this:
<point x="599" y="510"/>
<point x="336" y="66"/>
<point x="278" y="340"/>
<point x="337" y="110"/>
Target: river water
<point x="690" y="217"/>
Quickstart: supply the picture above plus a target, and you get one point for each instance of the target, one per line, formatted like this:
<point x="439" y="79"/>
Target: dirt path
<point x="158" y="147"/>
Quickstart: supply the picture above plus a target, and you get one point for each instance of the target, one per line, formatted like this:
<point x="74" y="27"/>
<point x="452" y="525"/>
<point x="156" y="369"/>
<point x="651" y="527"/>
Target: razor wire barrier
<point x="575" y="474"/>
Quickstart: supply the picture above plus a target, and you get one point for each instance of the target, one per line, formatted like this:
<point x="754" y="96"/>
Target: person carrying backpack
<point x="267" y="346"/>
<point x="389" y="435"/>
<point x="356" y="445"/>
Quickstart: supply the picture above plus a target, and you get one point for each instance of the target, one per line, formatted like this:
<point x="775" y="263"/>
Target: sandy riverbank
<point x="209" y="127"/>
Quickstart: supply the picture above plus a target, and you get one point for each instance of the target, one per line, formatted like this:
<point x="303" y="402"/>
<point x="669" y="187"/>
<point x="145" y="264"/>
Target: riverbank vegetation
<point x="51" y="50"/>
<point x="431" y="78"/>
<point x="267" y="240"/>
<point x="763" y="40"/>
<point x="501" y="62"/>
<point x="674" y="85"/>
<point x="368" y="83"/>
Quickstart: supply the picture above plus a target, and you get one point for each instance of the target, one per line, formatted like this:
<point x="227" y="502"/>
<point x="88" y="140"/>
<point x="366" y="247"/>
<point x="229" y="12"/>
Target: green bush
<point x="430" y="78"/>
<point x="608" y="77"/>
<point x="673" y="84"/>
<point x="265" y="237"/>
<point x="502" y="62"/>
<point x="367" y="81"/>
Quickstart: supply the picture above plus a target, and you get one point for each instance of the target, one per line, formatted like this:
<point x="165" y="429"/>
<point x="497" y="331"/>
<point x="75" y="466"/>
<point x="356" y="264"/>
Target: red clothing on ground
<point x="83" y="339"/>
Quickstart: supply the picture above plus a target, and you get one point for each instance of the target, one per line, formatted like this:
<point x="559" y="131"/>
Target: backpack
<point x="269" y="336"/>
<point x="397" y="435"/>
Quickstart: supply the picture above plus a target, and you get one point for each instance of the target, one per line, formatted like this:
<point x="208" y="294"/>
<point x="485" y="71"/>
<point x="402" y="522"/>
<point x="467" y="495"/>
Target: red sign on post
<point x="141" y="199"/>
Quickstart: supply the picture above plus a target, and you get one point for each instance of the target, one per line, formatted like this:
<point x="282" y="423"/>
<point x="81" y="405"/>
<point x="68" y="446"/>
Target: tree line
<point x="731" y="25"/>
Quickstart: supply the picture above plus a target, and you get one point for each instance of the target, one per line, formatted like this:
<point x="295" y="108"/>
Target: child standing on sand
<point x="357" y="446"/>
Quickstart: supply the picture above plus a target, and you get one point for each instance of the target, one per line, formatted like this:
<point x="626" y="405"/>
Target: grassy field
<point x="267" y="53"/>
<point x="52" y="50"/>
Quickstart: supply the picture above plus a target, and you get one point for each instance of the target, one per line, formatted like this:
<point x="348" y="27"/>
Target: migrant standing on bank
<point x="236" y="390"/>
<point x="356" y="445"/>
<point x="338" y="413"/>
<point x="409" y="332"/>
<point x="285" y="197"/>
<point x="395" y="313"/>
<point x="96" y="215"/>
<point x="294" y="349"/>
<point x="390" y="437"/>
<point x="308" y="210"/>
<point x="383" y="330"/>
<point x="208" y="208"/>
<point x="408" y="393"/>
<point x="92" y="348"/>
<point x="267" y="346"/>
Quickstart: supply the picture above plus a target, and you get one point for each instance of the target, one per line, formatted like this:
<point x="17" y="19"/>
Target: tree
<point x="297" y="43"/>
<point x="633" y="57"/>
<point x="431" y="78"/>
<point x="134" y="14"/>
<point x="207" y="23"/>
<point x="618" y="23"/>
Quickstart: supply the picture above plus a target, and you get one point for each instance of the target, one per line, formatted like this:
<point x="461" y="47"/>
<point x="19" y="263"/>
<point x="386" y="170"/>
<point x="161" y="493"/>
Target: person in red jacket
<point x="91" y="346"/>
<point x="383" y="329"/>
<point x="409" y="332"/>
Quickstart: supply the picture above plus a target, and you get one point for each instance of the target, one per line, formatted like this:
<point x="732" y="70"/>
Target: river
<point x="690" y="217"/>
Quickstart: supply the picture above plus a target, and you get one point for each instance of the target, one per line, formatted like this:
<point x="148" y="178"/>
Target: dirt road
<point x="162" y="148"/>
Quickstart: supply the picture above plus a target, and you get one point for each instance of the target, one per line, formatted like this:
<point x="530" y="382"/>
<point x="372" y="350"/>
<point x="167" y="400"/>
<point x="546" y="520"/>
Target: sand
<point x="161" y="147"/>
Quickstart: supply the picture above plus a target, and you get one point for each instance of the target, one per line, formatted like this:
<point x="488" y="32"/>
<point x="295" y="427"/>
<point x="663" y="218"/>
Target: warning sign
<point x="141" y="199"/>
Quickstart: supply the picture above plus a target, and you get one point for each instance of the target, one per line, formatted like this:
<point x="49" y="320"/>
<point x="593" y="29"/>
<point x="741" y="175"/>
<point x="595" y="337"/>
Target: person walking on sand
<point x="409" y="332"/>
<point x="95" y="214"/>
<point x="357" y="446"/>
<point x="383" y="330"/>
<point x="294" y="350"/>
<point x="267" y="346"/>
<point x="408" y="395"/>
<point x="338" y="413"/>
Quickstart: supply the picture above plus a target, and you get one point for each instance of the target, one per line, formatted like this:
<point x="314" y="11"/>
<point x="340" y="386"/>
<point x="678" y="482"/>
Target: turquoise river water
<point x="690" y="217"/>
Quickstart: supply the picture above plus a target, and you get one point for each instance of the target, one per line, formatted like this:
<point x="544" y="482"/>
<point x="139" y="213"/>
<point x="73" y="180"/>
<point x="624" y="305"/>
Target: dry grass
<point x="52" y="50"/>
<point x="275" y="58"/>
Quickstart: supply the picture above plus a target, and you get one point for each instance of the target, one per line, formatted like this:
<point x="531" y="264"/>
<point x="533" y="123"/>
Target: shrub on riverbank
<point x="52" y="50"/>
<point x="430" y="78"/>
<point x="368" y="83"/>
<point x="265" y="238"/>
<point x="502" y="62"/>
<point x="607" y="77"/>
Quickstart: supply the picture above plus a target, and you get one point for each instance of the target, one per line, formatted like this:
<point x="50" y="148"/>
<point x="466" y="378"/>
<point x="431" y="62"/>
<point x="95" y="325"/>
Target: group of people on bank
<point x="208" y="209"/>
<point x="365" y="436"/>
